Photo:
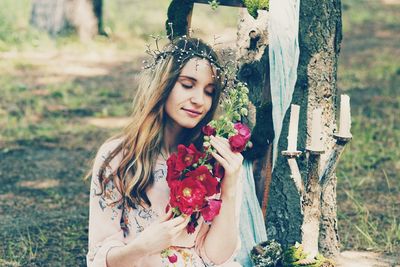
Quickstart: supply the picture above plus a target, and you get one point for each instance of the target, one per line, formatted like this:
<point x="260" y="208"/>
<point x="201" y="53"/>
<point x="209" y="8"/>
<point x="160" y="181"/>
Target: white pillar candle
<point x="345" y="116"/>
<point x="293" y="128"/>
<point x="316" y="130"/>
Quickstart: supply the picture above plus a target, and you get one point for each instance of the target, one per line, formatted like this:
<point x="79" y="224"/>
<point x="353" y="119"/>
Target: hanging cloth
<point x="251" y="226"/>
<point x="283" y="33"/>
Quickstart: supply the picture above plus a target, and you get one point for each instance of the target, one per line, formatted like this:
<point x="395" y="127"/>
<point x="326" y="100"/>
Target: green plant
<point x="254" y="5"/>
<point x="293" y="256"/>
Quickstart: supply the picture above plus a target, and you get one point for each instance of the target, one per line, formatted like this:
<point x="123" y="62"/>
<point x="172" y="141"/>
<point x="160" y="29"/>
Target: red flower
<point x="212" y="210"/>
<point x="208" y="130"/>
<point x="203" y="175"/>
<point x="218" y="170"/>
<point x="238" y="143"/>
<point x="243" y="130"/>
<point x="173" y="171"/>
<point x="187" y="156"/>
<point x="188" y="195"/>
<point x="191" y="227"/>
<point x="172" y="258"/>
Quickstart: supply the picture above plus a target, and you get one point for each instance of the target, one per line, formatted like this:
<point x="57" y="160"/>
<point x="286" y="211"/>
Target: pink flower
<point x="212" y="210"/>
<point x="243" y="130"/>
<point x="238" y="143"/>
<point x="172" y="258"/>
<point x="208" y="130"/>
<point x="191" y="227"/>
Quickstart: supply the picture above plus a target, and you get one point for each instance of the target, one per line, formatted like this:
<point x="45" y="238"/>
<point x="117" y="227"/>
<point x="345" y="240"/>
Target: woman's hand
<point x="231" y="161"/>
<point x="161" y="233"/>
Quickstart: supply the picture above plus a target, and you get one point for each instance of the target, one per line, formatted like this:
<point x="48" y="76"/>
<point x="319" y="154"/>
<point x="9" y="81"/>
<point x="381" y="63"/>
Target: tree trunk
<point x="56" y="16"/>
<point x="253" y="62"/>
<point x="319" y="41"/>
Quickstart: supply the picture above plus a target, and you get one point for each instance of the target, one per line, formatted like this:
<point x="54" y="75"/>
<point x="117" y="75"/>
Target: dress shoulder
<point x="105" y="151"/>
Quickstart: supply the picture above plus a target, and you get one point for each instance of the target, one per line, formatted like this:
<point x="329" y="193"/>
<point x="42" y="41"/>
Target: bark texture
<point x="319" y="40"/>
<point x="253" y="63"/>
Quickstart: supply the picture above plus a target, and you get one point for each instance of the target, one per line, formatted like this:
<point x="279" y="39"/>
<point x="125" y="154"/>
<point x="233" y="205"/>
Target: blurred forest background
<point x="60" y="98"/>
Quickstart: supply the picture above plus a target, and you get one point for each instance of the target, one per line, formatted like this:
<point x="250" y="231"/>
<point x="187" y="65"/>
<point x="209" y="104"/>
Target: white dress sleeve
<point x="105" y="212"/>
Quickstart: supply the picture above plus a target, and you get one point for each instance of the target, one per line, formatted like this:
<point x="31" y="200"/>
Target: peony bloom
<point x="191" y="227"/>
<point x="187" y="156"/>
<point x="208" y="130"/>
<point x="203" y="175"/>
<point x="238" y="143"/>
<point x="173" y="172"/>
<point x="188" y="195"/>
<point x="218" y="170"/>
<point x="212" y="210"/>
<point x="243" y="130"/>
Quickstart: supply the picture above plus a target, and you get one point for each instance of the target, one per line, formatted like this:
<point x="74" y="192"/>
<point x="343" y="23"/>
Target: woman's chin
<point x="188" y="124"/>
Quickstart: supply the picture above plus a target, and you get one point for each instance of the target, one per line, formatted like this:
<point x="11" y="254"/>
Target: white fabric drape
<point x="284" y="56"/>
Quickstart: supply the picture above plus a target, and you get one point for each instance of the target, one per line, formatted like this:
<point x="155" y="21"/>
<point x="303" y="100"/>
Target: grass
<point x="51" y="87"/>
<point x="369" y="180"/>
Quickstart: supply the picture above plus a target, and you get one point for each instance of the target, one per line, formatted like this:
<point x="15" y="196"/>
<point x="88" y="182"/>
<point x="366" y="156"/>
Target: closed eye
<point x="187" y="86"/>
<point x="210" y="93"/>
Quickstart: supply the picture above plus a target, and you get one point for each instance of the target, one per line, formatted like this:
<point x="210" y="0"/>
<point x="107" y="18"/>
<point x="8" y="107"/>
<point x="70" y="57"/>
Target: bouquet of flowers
<point x="193" y="176"/>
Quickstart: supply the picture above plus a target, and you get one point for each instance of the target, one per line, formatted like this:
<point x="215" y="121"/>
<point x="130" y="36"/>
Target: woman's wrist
<point x="228" y="194"/>
<point x="141" y="250"/>
<point x="229" y="187"/>
<point x="128" y="255"/>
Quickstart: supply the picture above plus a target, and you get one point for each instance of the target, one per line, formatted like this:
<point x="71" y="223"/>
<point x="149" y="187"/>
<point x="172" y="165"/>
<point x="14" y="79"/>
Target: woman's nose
<point x="198" y="97"/>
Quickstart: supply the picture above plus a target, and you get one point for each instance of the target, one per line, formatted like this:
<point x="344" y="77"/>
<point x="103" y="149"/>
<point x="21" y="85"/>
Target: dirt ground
<point x="43" y="198"/>
<point x="365" y="259"/>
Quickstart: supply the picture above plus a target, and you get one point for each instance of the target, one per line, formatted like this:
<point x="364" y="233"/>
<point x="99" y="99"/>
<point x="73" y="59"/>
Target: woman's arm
<point x="158" y="236"/>
<point x="105" y="212"/>
<point x="222" y="239"/>
<point x="107" y="245"/>
<point x="128" y="255"/>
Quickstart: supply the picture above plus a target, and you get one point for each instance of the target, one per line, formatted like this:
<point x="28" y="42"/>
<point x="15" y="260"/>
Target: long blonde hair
<point x="143" y="136"/>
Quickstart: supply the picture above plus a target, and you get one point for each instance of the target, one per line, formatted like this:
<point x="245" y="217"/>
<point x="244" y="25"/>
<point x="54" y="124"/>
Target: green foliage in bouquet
<point x="234" y="104"/>
<point x="254" y="5"/>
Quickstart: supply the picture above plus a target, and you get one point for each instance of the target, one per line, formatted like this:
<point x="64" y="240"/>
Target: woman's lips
<point x="192" y="113"/>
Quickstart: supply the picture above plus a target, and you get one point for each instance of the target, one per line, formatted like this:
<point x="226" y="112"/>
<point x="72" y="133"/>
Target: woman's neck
<point x="172" y="137"/>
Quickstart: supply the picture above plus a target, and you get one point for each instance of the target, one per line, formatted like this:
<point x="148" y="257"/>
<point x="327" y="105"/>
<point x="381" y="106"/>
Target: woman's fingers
<point x="222" y="148"/>
<point x="175" y="221"/>
<point x="220" y="159"/>
<point x="166" y="216"/>
<point x="182" y="225"/>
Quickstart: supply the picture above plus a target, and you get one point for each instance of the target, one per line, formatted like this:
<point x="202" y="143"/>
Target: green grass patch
<point x="47" y="145"/>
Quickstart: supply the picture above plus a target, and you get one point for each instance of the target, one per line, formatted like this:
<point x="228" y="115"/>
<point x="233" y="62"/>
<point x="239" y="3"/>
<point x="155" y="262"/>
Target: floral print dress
<point x="113" y="223"/>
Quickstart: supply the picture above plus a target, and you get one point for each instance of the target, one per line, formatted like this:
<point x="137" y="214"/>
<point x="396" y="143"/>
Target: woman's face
<point x="191" y="97"/>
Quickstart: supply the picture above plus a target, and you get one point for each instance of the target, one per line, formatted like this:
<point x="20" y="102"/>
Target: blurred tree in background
<point x="57" y="16"/>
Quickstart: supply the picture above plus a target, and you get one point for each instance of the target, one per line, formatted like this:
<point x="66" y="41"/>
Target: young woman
<point x="128" y="225"/>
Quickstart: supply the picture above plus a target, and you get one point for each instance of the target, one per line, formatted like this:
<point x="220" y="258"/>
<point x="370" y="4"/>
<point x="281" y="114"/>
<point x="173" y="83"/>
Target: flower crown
<point x="157" y="55"/>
